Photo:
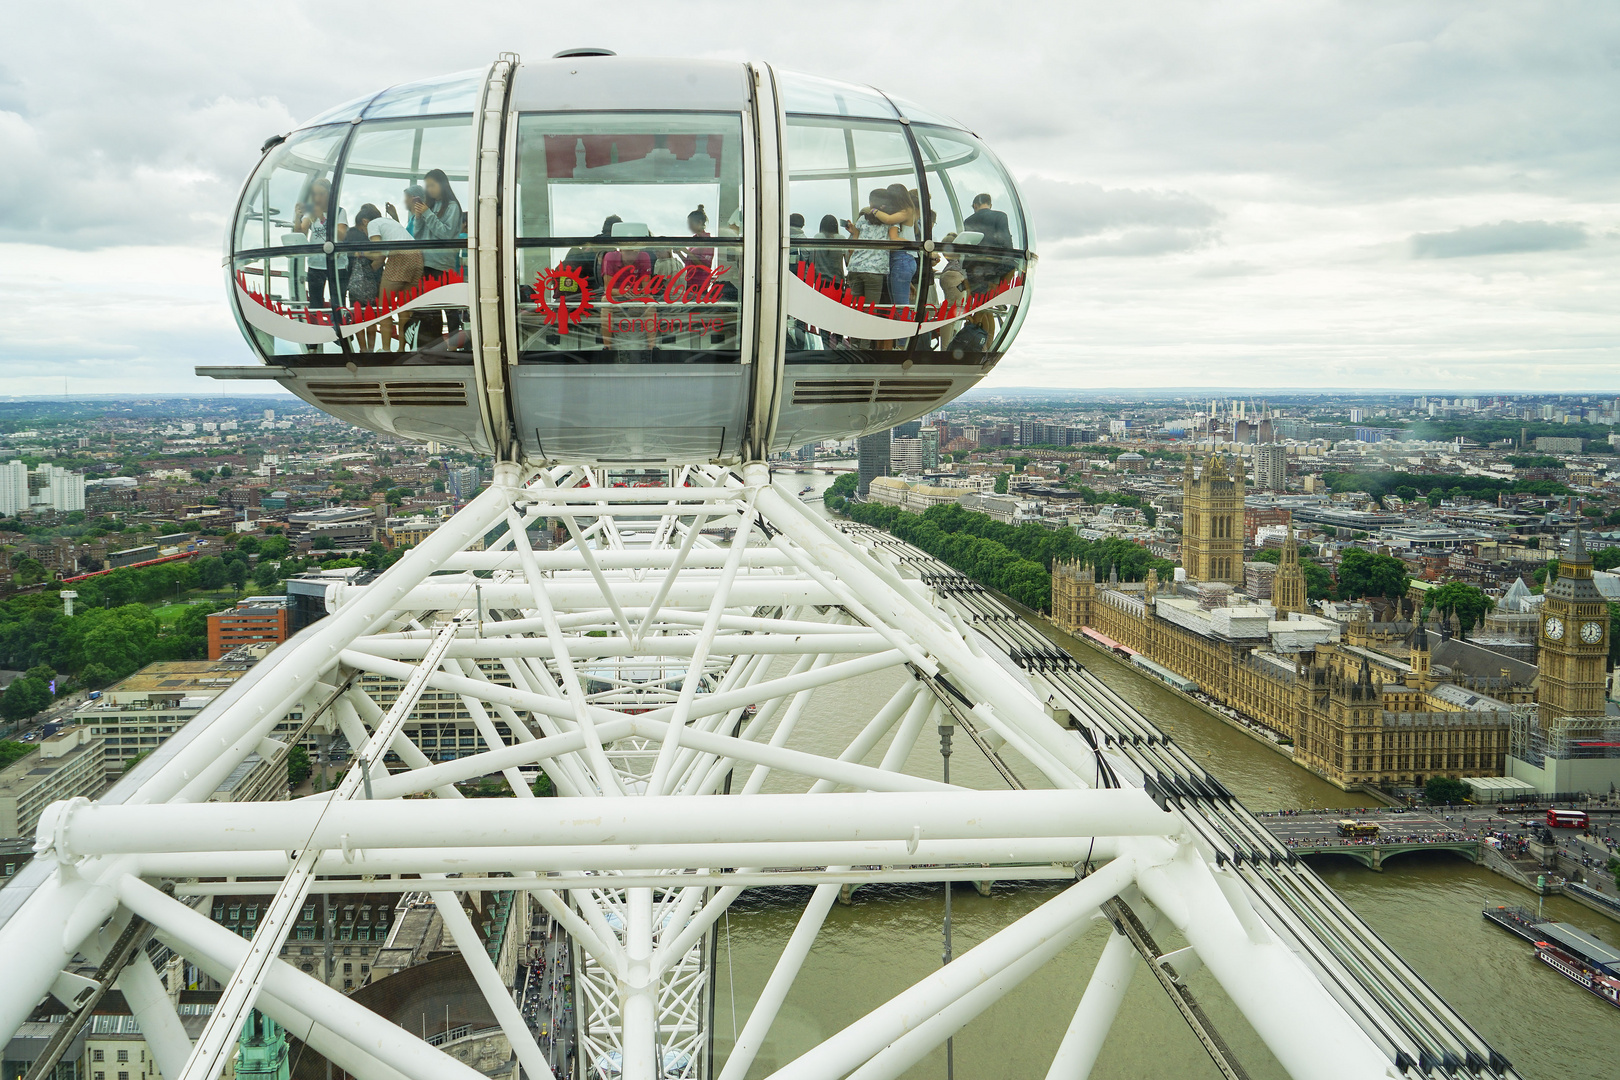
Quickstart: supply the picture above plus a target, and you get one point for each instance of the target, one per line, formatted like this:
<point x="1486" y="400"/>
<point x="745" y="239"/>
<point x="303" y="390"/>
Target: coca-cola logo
<point x="688" y="285"/>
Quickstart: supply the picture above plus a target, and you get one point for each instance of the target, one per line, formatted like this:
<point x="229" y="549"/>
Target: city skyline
<point x="1408" y="197"/>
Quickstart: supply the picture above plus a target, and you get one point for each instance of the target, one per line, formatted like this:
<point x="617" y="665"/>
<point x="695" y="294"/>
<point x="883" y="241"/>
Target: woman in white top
<point x="401" y="269"/>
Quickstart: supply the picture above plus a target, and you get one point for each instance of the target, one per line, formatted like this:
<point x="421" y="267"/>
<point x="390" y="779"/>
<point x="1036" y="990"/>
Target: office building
<point x="409" y="531"/>
<point x="1271" y="467"/>
<point x="138" y="714"/>
<point x="912" y="455"/>
<point x="872" y="460"/>
<point x="257" y="619"/>
<point x="301" y="522"/>
<point x="47" y="488"/>
<point x="66" y="764"/>
<point x="462" y="483"/>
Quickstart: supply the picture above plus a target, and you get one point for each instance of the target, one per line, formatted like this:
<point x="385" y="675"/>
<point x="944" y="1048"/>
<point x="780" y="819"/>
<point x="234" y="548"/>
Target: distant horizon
<point x="977" y="392"/>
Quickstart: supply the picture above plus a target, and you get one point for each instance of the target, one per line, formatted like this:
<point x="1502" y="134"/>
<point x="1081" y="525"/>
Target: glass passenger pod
<point x="630" y="285"/>
<point x="635" y="212"/>
<point x="901" y="291"/>
<point x="349" y="263"/>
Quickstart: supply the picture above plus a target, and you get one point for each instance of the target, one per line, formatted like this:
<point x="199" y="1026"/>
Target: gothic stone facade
<point x="1356" y="717"/>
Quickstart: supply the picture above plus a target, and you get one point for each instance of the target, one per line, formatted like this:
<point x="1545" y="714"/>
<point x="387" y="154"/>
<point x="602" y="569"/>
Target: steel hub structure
<point x="656" y="666"/>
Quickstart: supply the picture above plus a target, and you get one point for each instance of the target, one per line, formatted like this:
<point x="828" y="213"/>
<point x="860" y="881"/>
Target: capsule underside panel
<point x="631" y="262"/>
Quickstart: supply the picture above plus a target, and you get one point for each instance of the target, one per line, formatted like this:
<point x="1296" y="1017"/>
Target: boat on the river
<point x="1582" y="974"/>
<point x="1578" y="956"/>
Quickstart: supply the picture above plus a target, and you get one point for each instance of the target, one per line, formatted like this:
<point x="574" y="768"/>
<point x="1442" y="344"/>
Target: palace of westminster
<point x="1365" y="702"/>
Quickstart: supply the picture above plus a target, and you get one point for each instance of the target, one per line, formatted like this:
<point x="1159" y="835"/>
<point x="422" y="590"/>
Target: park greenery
<point x="1014" y="560"/>
<point x="132" y="617"/>
<point x="1444" y="791"/>
<point x="1363" y="573"/>
<point x="1411" y="486"/>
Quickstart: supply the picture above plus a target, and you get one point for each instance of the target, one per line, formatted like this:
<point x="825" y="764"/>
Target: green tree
<point x="210" y="572"/>
<point x="248" y="543"/>
<point x="542" y="787"/>
<point x="23" y="698"/>
<point x="1363" y="574"/>
<point x="1468" y="603"/>
<point x="1001" y="483"/>
<point x="1443" y="790"/>
<point x="237" y="574"/>
<point x="96" y="675"/>
<point x="265" y="575"/>
<point x="297" y="766"/>
<point x="11" y="750"/>
<point x="274" y="547"/>
<point x="29" y="570"/>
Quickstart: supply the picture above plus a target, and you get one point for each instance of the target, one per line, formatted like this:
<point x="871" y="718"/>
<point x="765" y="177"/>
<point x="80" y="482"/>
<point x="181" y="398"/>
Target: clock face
<point x="1555" y="628"/>
<point x="1591" y="632"/>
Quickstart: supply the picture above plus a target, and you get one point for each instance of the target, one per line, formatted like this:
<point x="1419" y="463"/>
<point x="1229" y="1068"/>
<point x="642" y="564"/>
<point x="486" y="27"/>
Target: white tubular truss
<point x="657" y="667"/>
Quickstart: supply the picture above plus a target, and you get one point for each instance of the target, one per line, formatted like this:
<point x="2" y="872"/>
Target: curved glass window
<point x="277" y="204"/>
<point x="630" y="231"/>
<point x="457" y="93"/>
<point x="890" y="270"/>
<point x="350" y="245"/>
<point x="340" y="114"/>
<point x="917" y="114"/>
<point x="855" y="270"/>
<point x="828" y="97"/>
<point x="961" y="172"/>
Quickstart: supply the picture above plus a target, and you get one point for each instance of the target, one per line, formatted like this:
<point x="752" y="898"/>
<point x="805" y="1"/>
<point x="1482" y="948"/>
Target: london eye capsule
<point x="608" y="259"/>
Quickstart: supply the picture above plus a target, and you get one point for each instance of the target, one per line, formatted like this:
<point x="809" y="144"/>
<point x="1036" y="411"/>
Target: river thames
<point x="1426" y="907"/>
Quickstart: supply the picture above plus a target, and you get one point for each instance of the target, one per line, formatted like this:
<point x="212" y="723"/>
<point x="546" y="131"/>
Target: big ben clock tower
<point x="1574" y="639"/>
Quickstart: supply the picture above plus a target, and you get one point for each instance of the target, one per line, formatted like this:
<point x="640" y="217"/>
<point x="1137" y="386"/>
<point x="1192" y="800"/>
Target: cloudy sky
<point x="1407" y="195"/>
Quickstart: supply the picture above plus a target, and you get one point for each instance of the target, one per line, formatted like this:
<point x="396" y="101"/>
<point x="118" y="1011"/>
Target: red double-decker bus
<point x="1567" y="819"/>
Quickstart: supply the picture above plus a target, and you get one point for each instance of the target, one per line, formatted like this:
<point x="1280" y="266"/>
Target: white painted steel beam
<point x="951" y="814"/>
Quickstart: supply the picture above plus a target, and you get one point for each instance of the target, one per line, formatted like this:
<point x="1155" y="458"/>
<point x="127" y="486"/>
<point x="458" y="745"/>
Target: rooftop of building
<point x="52" y="753"/>
<point x="177" y="684"/>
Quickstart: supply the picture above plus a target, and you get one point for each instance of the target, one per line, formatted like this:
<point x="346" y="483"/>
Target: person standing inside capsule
<point x="868" y="265"/>
<point x="313" y="219"/>
<point x="401" y="270"/>
<point x="699" y="260"/>
<point x="902" y="214"/>
<point x="437" y="215"/>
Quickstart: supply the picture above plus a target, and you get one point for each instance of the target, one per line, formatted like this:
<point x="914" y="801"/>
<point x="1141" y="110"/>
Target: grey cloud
<point x="1068" y="209"/>
<point x="1502" y="238"/>
<point x="1136" y="243"/>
